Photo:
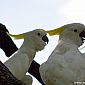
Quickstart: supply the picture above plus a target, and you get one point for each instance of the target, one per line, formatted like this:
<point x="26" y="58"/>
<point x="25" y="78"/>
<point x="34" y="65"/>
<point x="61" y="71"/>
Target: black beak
<point x="45" y="39"/>
<point x="82" y="34"/>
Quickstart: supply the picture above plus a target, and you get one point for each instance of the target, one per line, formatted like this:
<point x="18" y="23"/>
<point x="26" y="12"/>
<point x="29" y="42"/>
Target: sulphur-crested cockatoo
<point x="66" y="64"/>
<point x="20" y="62"/>
<point x="9" y="47"/>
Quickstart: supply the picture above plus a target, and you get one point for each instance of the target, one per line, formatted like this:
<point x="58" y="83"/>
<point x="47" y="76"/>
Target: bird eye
<point x="75" y="30"/>
<point x="38" y="34"/>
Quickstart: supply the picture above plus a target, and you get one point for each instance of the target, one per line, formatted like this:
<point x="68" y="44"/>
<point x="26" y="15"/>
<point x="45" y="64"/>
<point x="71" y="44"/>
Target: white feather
<point x="66" y="63"/>
<point x="20" y="62"/>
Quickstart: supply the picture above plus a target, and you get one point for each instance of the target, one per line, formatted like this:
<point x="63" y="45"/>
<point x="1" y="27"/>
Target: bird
<point x="21" y="60"/>
<point x="9" y="47"/>
<point x="66" y="64"/>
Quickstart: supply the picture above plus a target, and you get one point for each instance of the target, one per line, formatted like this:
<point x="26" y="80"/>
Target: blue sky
<point x="24" y="15"/>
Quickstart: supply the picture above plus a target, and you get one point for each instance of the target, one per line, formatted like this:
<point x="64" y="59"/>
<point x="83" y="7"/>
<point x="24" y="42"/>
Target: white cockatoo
<point x="20" y="62"/>
<point x="66" y="64"/>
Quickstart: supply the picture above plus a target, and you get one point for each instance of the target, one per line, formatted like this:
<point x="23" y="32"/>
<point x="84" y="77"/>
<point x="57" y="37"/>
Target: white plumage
<point x="20" y="62"/>
<point x="66" y="64"/>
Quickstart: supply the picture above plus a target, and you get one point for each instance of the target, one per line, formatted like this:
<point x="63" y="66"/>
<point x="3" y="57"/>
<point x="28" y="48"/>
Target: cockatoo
<point x="9" y="47"/>
<point x="20" y="62"/>
<point x="66" y="64"/>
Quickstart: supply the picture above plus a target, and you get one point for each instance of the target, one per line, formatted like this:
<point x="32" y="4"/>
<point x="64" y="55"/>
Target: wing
<point x="63" y="69"/>
<point x="18" y="65"/>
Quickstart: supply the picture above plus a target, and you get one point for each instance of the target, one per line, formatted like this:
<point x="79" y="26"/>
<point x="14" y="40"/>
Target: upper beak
<point x="82" y="34"/>
<point x="45" y="39"/>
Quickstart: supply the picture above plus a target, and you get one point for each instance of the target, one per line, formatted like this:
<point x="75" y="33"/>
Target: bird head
<point x="38" y="37"/>
<point x="74" y="33"/>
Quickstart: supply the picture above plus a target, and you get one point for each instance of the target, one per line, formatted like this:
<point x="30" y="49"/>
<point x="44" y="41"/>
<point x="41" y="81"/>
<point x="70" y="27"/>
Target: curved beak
<point x="45" y="39"/>
<point x="82" y="34"/>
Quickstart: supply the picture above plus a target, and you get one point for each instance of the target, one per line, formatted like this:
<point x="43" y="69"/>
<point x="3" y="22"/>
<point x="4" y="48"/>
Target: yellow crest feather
<point x="20" y="36"/>
<point x="55" y="31"/>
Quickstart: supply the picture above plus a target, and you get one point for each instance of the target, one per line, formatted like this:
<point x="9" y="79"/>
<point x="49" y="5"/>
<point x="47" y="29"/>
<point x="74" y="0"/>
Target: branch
<point x="6" y="77"/>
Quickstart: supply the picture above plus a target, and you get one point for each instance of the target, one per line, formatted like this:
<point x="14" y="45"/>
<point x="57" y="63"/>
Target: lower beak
<point x="45" y="39"/>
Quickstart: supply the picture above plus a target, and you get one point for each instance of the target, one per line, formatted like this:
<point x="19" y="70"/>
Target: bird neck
<point x="71" y="40"/>
<point x="28" y="47"/>
<point x="65" y="46"/>
<point x="67" y="43"/>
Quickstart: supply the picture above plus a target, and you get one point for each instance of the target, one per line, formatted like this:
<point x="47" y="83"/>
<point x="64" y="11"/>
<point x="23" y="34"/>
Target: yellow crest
<point x="55" y="31"/>
<point x="19" y="36"/>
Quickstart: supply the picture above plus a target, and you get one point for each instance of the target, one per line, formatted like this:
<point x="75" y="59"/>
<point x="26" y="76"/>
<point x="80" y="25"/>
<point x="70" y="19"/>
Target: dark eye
<point x="38" y="34"/>
<point x="75" y="30"/>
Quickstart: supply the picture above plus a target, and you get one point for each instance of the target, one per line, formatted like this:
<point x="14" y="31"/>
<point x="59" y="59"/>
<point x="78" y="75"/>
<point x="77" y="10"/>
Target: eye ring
<point x="75" y="30"/>
<point x="38" y="34"/>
